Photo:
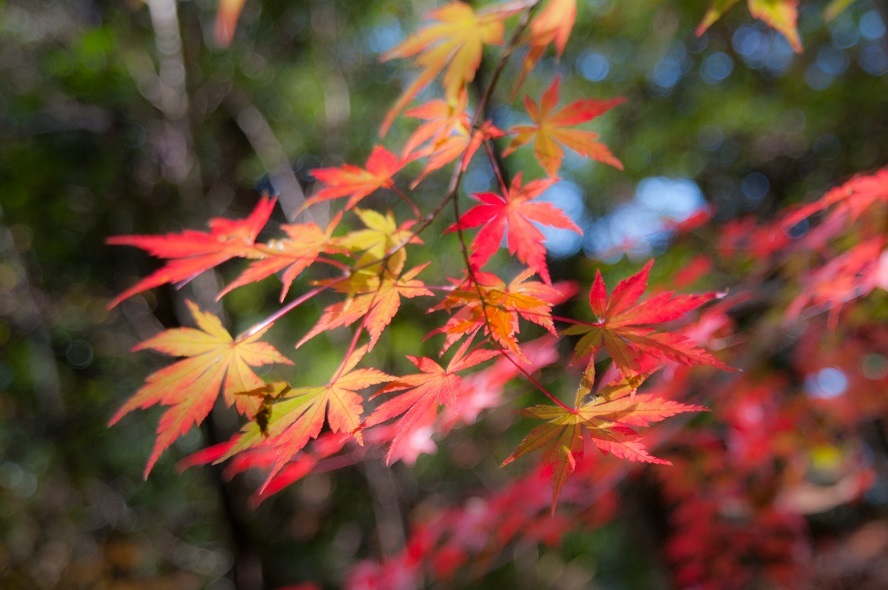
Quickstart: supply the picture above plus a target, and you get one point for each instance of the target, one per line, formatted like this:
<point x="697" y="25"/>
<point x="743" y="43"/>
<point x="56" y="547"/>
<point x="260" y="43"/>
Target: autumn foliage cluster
<point x="635" y="354"/>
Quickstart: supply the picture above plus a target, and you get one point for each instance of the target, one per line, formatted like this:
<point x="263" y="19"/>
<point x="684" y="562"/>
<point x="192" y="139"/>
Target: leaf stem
<point x="494" y="163"/>
<point x="539" y="385"/>
<point x="406" y="199"/>
<point x="271" y="319"/>
<point x="454" y="187"/>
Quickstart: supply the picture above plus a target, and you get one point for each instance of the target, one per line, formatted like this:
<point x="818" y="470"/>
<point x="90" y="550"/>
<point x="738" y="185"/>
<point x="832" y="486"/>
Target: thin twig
<point x="454" y="187"/>
<point x="406" y="199"/>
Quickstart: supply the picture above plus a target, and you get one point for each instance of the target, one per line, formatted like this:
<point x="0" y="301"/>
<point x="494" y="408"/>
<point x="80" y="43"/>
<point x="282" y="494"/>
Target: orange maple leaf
<point x="425" y="391"/>
<point x="552" y="24"/>
<point x="445" y="136"/>
<point x="296" y="415"/>
<point x="629" y="331"/>
<point x="551" y="128"/>
<point x="606" y="420"/>
<point x="499" y="306"/>
<point x="442" y="119"/>
<point x="293" y="254"/>
<point x="215" y="362"/>
<point x="355" y="182"/>
<point x="456" y="42"/>
<point x="226" y="21"/>
<point x="376" y="308"/>
<point x="514" y="213"/>
<point x="192" y="252"/>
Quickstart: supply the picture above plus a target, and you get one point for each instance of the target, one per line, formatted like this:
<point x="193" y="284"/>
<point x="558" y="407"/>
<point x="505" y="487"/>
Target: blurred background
<point x="121" y="117"/>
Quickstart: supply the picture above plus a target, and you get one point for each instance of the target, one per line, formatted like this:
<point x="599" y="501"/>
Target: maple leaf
<point x="442" y="119"/>
<point x="458" y="145"/>
<point x="304" y="243"/>
<point x="447" y="135"/>
<point x="296" y="415"/>
<point x="552" y="24"/>
<point x="715" y="12"/>
<point x="215" y="362"/>
<point x="850" y="200"/>
<point x="382" y="234"/>
<point x="456" y="42"/>
<point x="606" y="420"/>
<point x="781" y="15"/>
<point x="850" y="275"/>
<point x="383" y="245"/>
<point x="513" y="212"/>
<point x="192" y="252"/>
<point x="325" y="446"/>
<point x="376" y="285"/>
<point x="387" y="300"/>
<point x="226" y="21"/>
<point x="490" y="304"/>
<point x="376" y="308"/>
<point x="629" y="331"/>
<point x="552" y="128"/>
<point x="433" y="386"/>
<point x="355" y="182"/>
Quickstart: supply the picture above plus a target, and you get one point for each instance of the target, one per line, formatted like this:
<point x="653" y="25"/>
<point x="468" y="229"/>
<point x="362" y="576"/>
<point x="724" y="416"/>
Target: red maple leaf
<point x="355" y="182"/>
<point x="514" y="213"/>
<point x="263" y="456"/>
<point x="552" y="128"/>
<point x="606" y="419"/>
<point x="629" y="330"/>
<point x="216" y="362"/>
<point x="192" y="252"/>
<point x="850" y="275"/>
<point x="849" y="200"/>
<point x="425" y="391"/>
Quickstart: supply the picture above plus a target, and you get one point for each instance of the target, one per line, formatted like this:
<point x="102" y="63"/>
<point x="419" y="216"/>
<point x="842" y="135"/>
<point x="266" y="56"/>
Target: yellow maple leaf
<point x="780" y="15"/>
<point x="215" y="361"/>
<point x="456" y="41"/>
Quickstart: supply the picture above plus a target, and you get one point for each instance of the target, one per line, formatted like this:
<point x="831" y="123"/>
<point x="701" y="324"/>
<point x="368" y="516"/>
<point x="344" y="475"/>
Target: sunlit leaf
<point x="215" y="362"/>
